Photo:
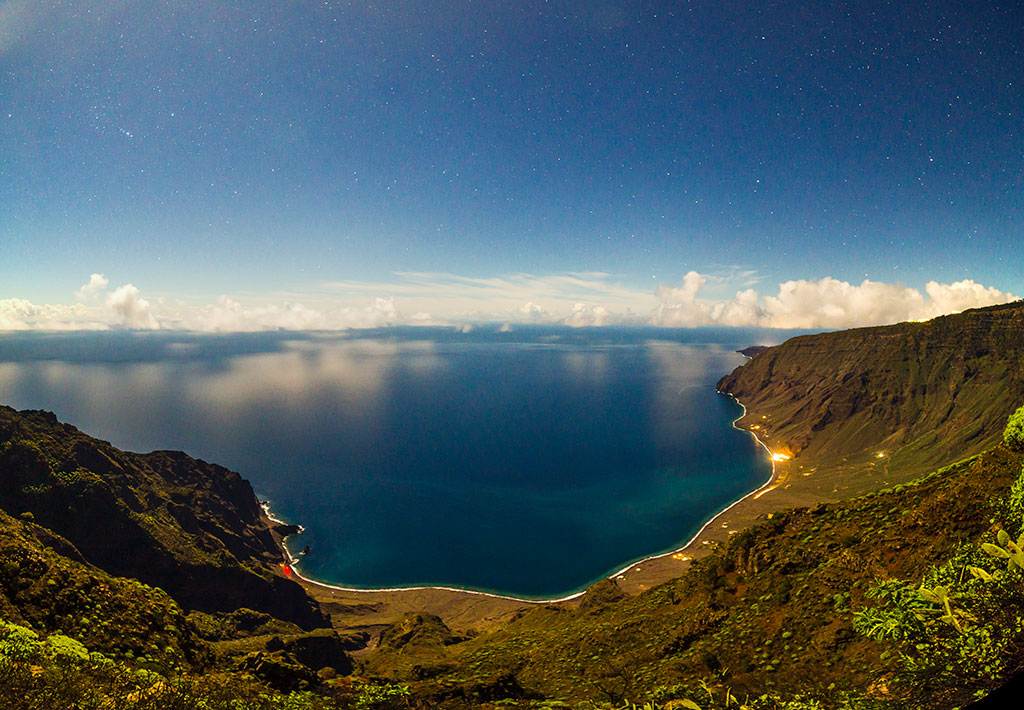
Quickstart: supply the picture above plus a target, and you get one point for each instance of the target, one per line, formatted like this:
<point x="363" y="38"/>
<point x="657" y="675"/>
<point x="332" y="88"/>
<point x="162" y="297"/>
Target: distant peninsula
<point x="752" y="350"/>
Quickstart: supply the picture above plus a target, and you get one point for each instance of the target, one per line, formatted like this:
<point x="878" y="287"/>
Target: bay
<point x="529" y="463"/>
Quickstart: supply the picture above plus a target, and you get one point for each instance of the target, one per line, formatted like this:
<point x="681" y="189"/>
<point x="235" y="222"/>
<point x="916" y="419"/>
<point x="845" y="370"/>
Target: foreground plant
<point x="963" y="623"/>
<point x="42" y="673"/>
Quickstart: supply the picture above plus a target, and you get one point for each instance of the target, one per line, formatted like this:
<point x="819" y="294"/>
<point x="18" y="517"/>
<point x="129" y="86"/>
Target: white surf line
<point x="292" y="560"/>
<point x="754" y="493"/>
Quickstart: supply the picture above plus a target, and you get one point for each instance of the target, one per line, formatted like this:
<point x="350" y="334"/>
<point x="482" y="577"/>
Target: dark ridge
<point x="192" y="528"/>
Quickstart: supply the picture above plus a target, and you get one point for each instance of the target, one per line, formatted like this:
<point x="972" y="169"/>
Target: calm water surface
<point x="529" y="463"/>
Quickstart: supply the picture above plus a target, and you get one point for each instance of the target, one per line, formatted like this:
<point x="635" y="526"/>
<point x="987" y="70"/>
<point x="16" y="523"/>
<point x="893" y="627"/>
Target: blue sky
<point x="392" y="157"/>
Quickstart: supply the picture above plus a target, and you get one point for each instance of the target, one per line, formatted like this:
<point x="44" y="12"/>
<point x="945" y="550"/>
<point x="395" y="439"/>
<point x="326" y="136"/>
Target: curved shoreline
<point x="763" y="488"/>
<point x="292" y="560"/>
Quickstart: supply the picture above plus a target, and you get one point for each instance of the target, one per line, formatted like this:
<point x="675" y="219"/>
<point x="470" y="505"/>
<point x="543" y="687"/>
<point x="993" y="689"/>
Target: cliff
<point x="889" y="402"/>
<point x="192" y="528"/>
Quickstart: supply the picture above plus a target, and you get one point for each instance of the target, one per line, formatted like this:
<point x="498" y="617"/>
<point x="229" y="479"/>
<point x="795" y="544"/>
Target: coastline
<point x="292" y="560"/>
<point x="676" y="555"/>
<point x="756" y="493"/>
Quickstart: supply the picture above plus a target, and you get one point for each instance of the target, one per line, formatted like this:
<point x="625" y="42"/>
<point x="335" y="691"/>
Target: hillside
<point x="189" y="527"/>
<point x="886" y="403"/>
<point x="120" y="572"/>
<point x="784" y="615"/>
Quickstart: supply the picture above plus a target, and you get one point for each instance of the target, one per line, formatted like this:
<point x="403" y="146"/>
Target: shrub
<point x="17" y="643"/>
<point x="1013" y="435"/>
<point x="1016" y="499"/>
<point x="61" y="645"/>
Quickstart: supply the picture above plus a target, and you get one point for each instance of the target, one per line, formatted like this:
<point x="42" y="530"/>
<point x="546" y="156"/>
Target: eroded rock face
<point x="279" y="671"/>
<point x="319" y="651"/>
<point x="417" y="629"/>
<point x="912" y="395"/>
<point x="187" y="526"/>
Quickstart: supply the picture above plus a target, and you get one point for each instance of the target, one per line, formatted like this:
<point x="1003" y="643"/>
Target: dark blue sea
<point x="530" y="462"/>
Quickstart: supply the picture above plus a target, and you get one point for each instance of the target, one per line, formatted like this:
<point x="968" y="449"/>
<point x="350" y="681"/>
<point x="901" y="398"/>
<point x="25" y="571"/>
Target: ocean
<point x="528" y="463"/>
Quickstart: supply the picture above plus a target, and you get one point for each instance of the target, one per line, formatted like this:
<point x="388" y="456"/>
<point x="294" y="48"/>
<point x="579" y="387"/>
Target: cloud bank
<point x="578" y="300"/>
<point x="825" y="303"/>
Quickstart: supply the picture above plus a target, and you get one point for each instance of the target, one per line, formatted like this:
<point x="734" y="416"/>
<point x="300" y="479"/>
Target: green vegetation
<point x="963" y="624"/>
<point x="42" y="673"/>
<point x="173" y="522"/>
<point x="1013" y="435"/>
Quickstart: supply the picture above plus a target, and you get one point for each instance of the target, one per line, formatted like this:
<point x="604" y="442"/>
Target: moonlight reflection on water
<point x="528" y="463"/>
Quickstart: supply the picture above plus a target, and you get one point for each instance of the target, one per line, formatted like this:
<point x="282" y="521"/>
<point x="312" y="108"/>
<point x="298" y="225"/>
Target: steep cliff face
<point x="905" y="397"/>
<point x="189" y="527"/>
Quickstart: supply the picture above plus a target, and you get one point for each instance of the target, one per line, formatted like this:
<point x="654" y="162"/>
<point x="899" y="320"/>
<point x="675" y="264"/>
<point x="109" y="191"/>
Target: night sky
<point x="464" y="157"/>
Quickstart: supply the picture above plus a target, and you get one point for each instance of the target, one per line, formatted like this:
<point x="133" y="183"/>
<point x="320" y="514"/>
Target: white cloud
<point x="741" y="310"/>
<point x="583" y="315"/>
<point x="19" y="314"/>
<point x="531" y="311"/>
<point x="681" y="308"/>
<point x="823" y="303"/>
<point x="15" y="313"/>
<point x="586" y="299"/>
<point x="227" y="315"/>
<point x="424" y="318"/>
<point x="830" y="303"/>
<point x="961" y="295"/>
<point x="132" y="308"/>
<point x="97" y="284"/>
